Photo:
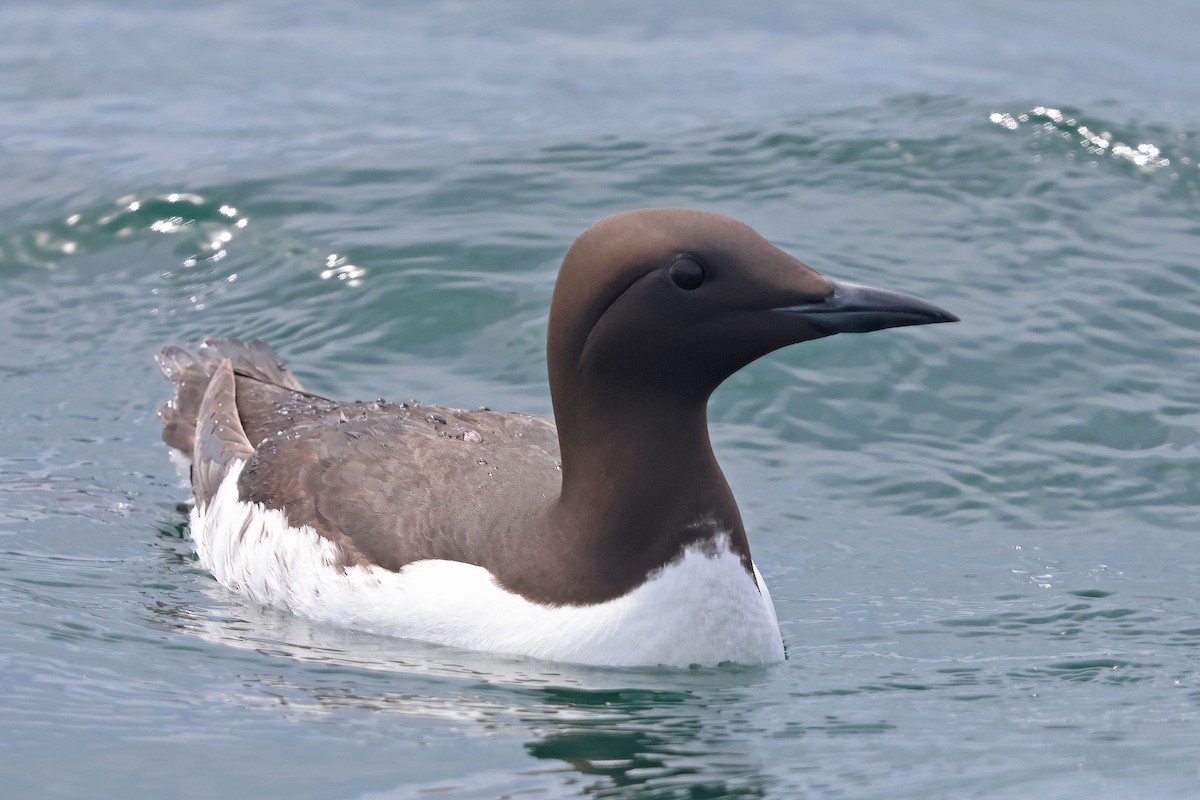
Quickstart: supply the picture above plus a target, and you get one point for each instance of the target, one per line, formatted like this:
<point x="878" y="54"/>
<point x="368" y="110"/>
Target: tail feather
<point x="191" y="372"/>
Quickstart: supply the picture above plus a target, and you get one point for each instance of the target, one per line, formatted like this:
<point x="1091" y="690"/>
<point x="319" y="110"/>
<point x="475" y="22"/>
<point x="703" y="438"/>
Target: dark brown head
<point x="653" y="309"/>
<point x="670" y="303"/>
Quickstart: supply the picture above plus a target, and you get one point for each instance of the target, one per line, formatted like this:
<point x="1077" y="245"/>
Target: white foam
<point x="182" y="465"/>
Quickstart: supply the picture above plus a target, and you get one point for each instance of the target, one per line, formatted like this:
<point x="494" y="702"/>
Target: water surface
<point x="979" y="537"/>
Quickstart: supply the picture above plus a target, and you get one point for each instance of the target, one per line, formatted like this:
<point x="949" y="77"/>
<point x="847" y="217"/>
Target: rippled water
<point x="980" y="537"/>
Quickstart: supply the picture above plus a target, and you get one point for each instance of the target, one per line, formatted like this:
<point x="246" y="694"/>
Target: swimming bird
<point x="608" y="536"/>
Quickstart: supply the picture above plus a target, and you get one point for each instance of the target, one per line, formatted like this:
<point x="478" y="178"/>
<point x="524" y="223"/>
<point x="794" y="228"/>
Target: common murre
<point x="613" y="539"/>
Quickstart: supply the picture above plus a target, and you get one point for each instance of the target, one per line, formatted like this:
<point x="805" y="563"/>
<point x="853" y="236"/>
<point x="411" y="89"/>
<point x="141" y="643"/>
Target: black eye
<point x="687" y="272"/>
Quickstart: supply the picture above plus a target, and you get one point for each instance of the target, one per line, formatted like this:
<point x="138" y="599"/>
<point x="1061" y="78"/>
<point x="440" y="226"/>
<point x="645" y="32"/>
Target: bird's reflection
<point x="662" y="742"/>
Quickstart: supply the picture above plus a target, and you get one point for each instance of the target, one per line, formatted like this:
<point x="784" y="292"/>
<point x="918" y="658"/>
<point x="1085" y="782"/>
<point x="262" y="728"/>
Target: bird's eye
<point x="687" y="273"/>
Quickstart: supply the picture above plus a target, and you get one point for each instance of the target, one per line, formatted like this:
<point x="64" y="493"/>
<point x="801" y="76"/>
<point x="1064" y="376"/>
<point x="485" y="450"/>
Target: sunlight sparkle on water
<point x="340" y="267"/>
<point x="168" y="225"/>
<point x="1052" y="121"/>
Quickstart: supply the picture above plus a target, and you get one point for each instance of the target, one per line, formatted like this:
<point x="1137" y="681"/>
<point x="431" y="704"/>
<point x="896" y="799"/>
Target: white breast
<point x="703" y="609"/>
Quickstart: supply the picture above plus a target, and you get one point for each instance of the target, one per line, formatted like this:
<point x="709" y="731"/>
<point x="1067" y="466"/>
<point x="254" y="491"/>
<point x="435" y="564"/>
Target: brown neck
<point x="640" y="483"/>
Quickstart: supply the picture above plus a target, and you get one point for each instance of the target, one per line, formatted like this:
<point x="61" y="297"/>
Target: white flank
<point x="702" y="609"/>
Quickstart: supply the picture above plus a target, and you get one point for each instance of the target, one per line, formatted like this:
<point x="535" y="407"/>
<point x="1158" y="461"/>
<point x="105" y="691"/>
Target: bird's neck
<point x="640" y="484"/>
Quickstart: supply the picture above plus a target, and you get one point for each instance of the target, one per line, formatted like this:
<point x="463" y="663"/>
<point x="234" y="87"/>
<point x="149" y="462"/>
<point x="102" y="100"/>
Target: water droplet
<point x="468" y="435"/>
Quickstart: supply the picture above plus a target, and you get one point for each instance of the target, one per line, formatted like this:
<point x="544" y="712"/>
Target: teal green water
<point x="980" y="538"/>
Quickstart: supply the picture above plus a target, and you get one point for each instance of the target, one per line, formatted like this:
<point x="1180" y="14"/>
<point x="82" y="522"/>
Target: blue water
<point x="980" y="538"/>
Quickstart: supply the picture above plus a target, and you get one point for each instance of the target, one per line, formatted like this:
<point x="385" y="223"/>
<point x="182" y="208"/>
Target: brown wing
<point x="219" y="438"/>
<point x="394" y="484"/>
<point x="391" y="483"/>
